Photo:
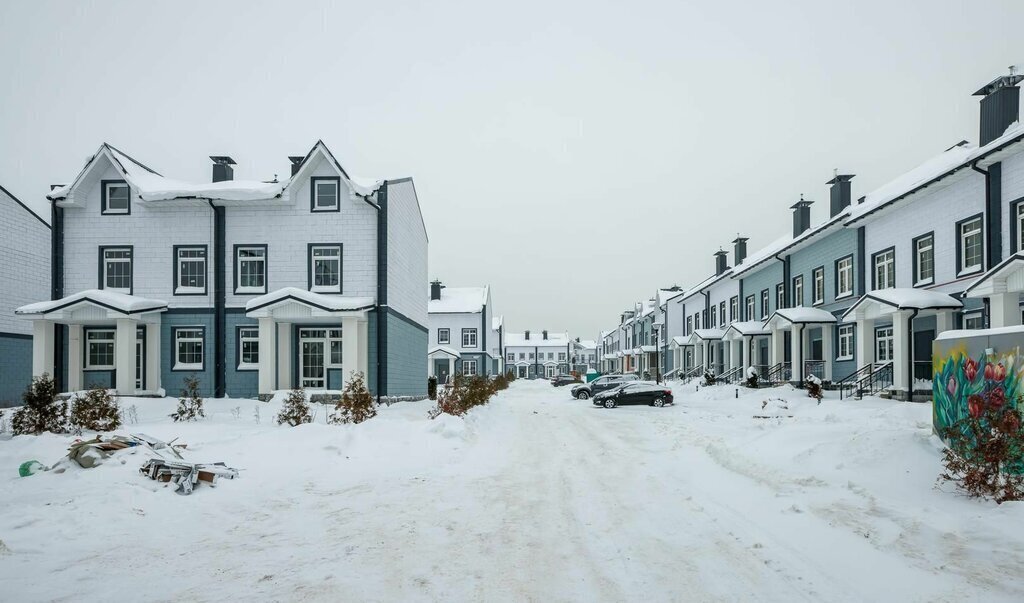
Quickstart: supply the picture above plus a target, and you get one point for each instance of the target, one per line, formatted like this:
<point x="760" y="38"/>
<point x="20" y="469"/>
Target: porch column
<point x="778" y="349"/>
<point x="153" y="380"/>
<point x="354" y="347"/>
<point x="75" y="364"/>
<point x="42" y="348"/>
<point x="363" y="361"/>
<point x="1004" y="310"/>
<point x="796" y="354"/>
<point x="124" y="356"/>
<point x="901" y="352"/>
<point x="268" y="355"/>
<point x="736" y="353"/>
<point x="943" y="321"/>
<point x="828" y="357"/>
<point x="865" y="336"/>
<point x="284" y="355"/>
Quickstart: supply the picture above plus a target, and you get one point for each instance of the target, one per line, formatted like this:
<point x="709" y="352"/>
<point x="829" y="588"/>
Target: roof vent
<point x="222" y="169"/>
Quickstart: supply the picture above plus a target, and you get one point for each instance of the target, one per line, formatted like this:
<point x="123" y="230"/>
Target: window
<point x="844" y="277"/>
<point x="511" y="357"/>
<point x="974" y="321"/>
<point x="798" y="290"/>
<point x="531" y="355"/>
<point x="750" y="307"/>
<point x="325" y="268"/>
<point x="721" y="313"/>
<point x="99" y="351"/>
<point x="443" y="336"/>
<point x="115" y="197"/>
<point x="845" y="347"/>
<point x="764" y="304"/>
<point x="696" y="321"/>
<point x="248" y="348"/>
<point x="689" y="325"/>
<point x="190" y="270"/>
<point x="1019" y="226"/>
<point x="522" y="355"/>
<point x="469" y="367"/>
<point x="714" y="317"/>
<point x="324" y="194"/>
<point x="884" y="275"/>
<point x="188" y="349"/>
<point x="883" y="344"/>
<point x="969" y="246"/>
<point x="561" y="356"/>
<point x="551" y="355"/>
<point x="734" y="308"/>
<point x="818" y="276"/>
<point x="334" y="342"/>
<point x="780" y="296"/>
<point x="250" y="269"/>
<point x="924" y="260"/>
<point x="116" y="269"/>
<point x="469" y="338"/>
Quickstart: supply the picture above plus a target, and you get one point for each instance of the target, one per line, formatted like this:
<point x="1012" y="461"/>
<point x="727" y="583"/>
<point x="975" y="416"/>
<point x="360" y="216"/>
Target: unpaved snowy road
<point x="536" y="497"/>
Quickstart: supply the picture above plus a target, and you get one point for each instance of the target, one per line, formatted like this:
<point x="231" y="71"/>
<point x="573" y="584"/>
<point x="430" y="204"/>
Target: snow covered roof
<point x="681" y="340"/>
<point x="787" y="243"/>
<point x="961" y="333"/>
<point x="704" y="284"/>
<point x="497" y="322"/>
<point x="536" y="339"/>
<point x="887" y="301"/>
<point x="745" y="328"/>
<point x="586" y="343"/>
<point x="443" y="349"/>
<point x="326" y="303"/>
<point x="1005" y="277"/>
<point x="666" y="294"/>
<point x="800" y="315"/>
<point x="706" y="335"/>
<point x="458" y="300"/>
<point x="121" y="303"/>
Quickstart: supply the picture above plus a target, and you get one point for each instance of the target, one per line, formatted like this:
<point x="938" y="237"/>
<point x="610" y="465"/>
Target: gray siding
<point x="407" y="355"/>
<point x="238" y="384"/>
<point x="174" y="381"/>
<point x="766" y="277"/>
<point x="16" y="352"/>
<point x="825" y="252"/>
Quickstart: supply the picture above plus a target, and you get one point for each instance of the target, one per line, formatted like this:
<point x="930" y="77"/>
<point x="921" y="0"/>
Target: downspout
<point x="910" y="361"/>
<point x="785" y="279"/>
<point x="990" y="255"/>
<point x="57" y="288"/>
<point x="382" y="288"/>
<point x="219" y="302"/>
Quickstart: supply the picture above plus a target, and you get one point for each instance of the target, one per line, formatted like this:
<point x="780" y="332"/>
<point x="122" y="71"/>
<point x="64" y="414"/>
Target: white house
<point x="584" y="355"/>
<point x="250" y="286"/>
<point x="537" y="354"/>
<point x="462" y="337"/>
<point x="24" y="278"/>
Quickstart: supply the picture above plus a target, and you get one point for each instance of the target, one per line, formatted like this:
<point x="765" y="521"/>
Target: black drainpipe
<point x="993" y="219"/>
<point x="219" y="302"/>
<point x="910" y="361"/>
<point x="785" y="280"/>
<point x="57" y="288"/>
<point x="381" y="308"/>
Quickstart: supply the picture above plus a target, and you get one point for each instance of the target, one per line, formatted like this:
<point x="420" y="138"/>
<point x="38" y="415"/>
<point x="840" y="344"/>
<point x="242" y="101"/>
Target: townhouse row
<point x="861" y="295"/>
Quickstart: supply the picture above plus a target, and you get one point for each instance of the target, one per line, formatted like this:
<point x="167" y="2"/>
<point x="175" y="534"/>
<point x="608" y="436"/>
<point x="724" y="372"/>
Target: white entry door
<point x="319" y="350"/>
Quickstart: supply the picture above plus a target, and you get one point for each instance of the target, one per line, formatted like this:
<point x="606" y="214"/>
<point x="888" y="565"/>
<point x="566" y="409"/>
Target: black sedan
<point x="560" y="380"/>
<point x="650" y="394"/>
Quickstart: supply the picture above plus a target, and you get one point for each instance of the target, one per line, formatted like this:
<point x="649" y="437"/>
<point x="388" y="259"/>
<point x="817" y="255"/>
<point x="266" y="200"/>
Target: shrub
<point x="985" y="453"/>
<point x="96" y="410"/>
<point x="500" y="383"/>
<point x="432" y="387"/>
<point x="41" y="412"/>
<point x="463" y="394"/>
<point x="813" y="385"/>
<point x="752" y="378"/>
<point x="190" y="404"/>
<point x="709" y="378"/>
<point x="356" y="404"/>
<point x="295" y="410"/>
<point x="511" y="376"/>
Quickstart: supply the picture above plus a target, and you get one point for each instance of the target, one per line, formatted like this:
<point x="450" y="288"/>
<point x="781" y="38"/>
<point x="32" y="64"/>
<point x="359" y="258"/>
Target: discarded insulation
<point x="186" y="476"/>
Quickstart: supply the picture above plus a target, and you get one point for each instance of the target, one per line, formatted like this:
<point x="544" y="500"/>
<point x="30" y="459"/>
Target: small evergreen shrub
<point x="709" y="378"/>
<point x="752" y="378"/>
<point x="813" y="385"/>
<point x="96" y="410"/>
<point x="356" y="404"/>
<point x="462" y="395"/>
<point x="985" y="453"/>
<point x="432" y="387"/>
<point x="41" y="412"/>
<point x="295" y="410"/>
<point x="190" y="404"/>
<point x="500" y="383"/>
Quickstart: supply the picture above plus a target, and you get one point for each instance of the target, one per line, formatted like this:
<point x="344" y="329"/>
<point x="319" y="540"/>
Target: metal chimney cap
<point x="222" y="160"/>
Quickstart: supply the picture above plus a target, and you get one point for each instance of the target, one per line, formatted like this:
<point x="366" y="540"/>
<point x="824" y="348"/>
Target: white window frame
<point x="511" y="357"/>
<point x="183" y="335"/>
<point x="240" y="261"/>
<point x="844" y="277"/>
<point x="798" y="290"/>
<point x="964" y="235"/>
<point x="469" y="368"/>
<point x="765" y="307"/>
<point x="883" y="335"/>
<point x="122" y="211"/>
<point x="313" y="259"/>
<point x="751" y="308"/>
<point x="925" y="244"/>
<point x="180" y="261"/>
<point x="561" y="356"/>
<point x="129" y="260"/>
<point x="447" y="336"/>
<point x="108" y="337"/>
<point x="844" y="343"/>
<point x="884" y="267"/>
<point x="734" y="308"/>
<point x="818" y="278"/>
<point x="248" y="336"/>
<point x="334" y="355"/>
<point x="331" y="182"/>
<point x="1020" y="227"/>
<point x="974" y="321"/>
<point x="469" y="338"/>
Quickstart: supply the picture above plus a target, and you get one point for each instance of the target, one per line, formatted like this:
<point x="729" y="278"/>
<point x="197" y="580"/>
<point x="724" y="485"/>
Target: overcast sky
<point x="574" y="156"/>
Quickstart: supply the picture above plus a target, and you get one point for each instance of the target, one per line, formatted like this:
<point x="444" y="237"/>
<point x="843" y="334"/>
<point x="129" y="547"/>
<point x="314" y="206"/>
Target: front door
<point x="522" y="371"/>
<point x="140" y="359"/>
<point x="923" y="354"/>
<point x="441" y="370"/>
<point x="312" y="365"/>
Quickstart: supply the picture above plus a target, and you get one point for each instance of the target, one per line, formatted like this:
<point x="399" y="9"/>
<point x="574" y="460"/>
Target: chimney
<point x="296" y="162"/>
<point x="527" y="336"/>
<point x="721" y="264"/>
<point x="839" y="194"/>
<point x="222" y="169"/>
<point x="1000" y="106"/>
<point x="801" y="216"/>
<point x="544" y="334"/>
<point x="577" y="340"/>
<point x="739" y="250"/>
<point x="435" y="290"/>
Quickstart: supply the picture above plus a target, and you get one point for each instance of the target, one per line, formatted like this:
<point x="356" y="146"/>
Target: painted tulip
<point x="951" y="386"/>
<point x="997" y="397"/>
<point x="975" y="405"/>
<point x="1011" y="422"/>
<point x="970" y="369"/>
<point x="989" y="371"/>
<point x="999" y="373"/>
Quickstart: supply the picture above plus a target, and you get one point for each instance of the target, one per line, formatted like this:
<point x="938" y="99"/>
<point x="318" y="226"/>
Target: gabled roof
<point x="25" y="207"/>
<point x="746" y="328"/>
<point x="320" y="301"/>
<point x="458" y="300"/>
<point x="120" y="303"/>
<point x="788" y="243"/>
<point x="800" y="315"/>
<point x="886" y="301"/>
<point x="1007" y="276"/>
<point x="537" y="339"/>
<point x="706" y="335"/>
<point x="443" y="349"/>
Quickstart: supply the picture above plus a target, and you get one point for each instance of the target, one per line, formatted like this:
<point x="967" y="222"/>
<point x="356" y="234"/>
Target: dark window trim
<point x="103" y="198"/>
<point x="174" y="348"/>
<point x="312" y="193"/>
<point x="853" y="276"/>
<point x="462" y="342"/>
<point x="766" y="303"/>
<point x="814" y="288"/>
<point x="734" y="309"/>
<point x="85" y="349"/>
<point x="131" y="266"/>
<point x="174" y="271"/>
<point x="341" y="266"/>
<point x="752" y="306"/>
<point x="266" y="266"/>
<point x="1014" y="237"/>
<point x="780" y="295"/>
<point x="874" y="265"/>
<point x="448" y="339"/>
<point x="959" y="244"/>
<point x="914" y="262"/>
<point x="238" y="347"/>
<point x="793" y="281"/>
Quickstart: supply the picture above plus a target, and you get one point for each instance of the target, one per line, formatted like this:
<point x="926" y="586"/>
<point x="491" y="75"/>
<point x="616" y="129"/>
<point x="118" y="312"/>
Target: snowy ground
<point x="536" y="497"/>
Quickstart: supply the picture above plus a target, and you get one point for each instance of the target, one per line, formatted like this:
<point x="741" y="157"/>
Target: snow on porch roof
<point x="801" y="315"/>
<point x="443" y="349"/>
<point x="111" y="300"/>
<point x="905" y="299"/>
<point x="328" y="303"/>
<point x="1006" y="277"/>
<point x="746" y="328"/>
<point x="707" y="334"/>
<point x="680" y="340"/>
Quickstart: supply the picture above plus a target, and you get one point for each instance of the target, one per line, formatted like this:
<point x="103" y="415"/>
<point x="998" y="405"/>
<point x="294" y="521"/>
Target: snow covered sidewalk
<point x="534" y="497"/>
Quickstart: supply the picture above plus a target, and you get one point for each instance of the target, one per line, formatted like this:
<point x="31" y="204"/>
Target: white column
<point x="827" y="356"/>
<point x="363" y="360"/>
<point x="268" y="355"/>
<point x="943" y="321"/>
<point x="1004" y="309"/>
<point x="778" y="348"/>
<point x="901" y="351"/>
<point x="865" y="336"/>
<point x="124" y="356"/>
<point x="153" y="380"/>
<point x="350" y="345"/>
<point x="737" y="357"/>
<point x="42" y="348"/>
<point x="284" y="355"/>
<point x="75" y="364"/>
<point x="796" y="354"/>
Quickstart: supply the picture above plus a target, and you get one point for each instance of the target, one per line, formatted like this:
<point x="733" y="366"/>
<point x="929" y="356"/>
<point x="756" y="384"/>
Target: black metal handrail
<point x="778" y="374"/>
<point x="814" y="367"/>
<point x="849" y="382"/>
<point x="690" y="375"/>
<point x="730" y="376"/>
<point x="877" y="380"/>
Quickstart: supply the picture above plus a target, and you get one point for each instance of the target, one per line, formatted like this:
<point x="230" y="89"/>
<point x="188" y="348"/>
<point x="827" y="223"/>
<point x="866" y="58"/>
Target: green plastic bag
<point x="30" y="468"/>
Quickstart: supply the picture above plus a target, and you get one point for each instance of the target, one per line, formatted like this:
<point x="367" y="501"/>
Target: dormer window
<point x="115" y="197"/>
<point x="324" y="194"/>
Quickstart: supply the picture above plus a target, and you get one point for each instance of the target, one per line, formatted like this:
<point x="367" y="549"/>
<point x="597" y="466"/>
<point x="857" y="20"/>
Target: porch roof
<point x="681" y="340"/>
<point x="443" y="350"/>
<point x="1005" y="277"/>
<point x="886" y="301"/>
<point x="744" y="329"/>
<point x="109" y="303"/>
<point x="645" y="349"/>
<point x="801" y="315"/>
<point x="318" y="304"/>
<point x="706" y="335"/>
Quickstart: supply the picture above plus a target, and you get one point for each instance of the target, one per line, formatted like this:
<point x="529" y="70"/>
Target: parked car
<point x="642" y="392"/>
<point x="560" y="380"/>
<point x="589" y="390"/>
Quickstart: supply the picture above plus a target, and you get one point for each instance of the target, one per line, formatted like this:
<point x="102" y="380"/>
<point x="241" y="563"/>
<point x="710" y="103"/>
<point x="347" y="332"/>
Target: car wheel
<point x="659" y="402"/>
<point x="582" y="395"/>
<point x="609" y="403"/>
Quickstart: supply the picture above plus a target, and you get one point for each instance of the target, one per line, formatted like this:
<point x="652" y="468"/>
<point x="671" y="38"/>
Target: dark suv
<point x="560" y="380"/>
<point x="588" y="390"/>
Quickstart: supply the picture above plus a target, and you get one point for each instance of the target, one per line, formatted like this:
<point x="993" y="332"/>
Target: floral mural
<point x="972" y="374"/>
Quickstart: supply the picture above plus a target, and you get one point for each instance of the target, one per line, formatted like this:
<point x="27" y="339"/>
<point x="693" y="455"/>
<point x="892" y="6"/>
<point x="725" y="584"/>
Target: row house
<point x="462" y="335"/>
<point x="24" y="278"/>
<point x="249" y="286"/>
<point x="584" y="356"/>
<point x="534" y="355"/>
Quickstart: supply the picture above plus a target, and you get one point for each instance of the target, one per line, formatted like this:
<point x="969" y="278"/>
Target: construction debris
<point x="185" y="476"/>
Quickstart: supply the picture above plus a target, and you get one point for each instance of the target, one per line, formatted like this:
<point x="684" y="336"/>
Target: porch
<point x="749" y="342"/>
<point x="1002" y="285"/>
<point x="804" y="358"/>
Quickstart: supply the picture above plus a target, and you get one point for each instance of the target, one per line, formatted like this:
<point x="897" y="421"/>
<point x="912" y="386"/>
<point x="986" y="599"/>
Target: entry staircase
<point x="868" y="379"/>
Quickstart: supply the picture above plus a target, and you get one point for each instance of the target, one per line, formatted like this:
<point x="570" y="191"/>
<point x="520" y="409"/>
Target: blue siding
<point x="238" y="384"/>
<point x="15" y="368"/>
<point x="407" y="357"/>
<point x="825" y="252"/>
<point x="765" y="277"/>
<point x="174" y="381"/>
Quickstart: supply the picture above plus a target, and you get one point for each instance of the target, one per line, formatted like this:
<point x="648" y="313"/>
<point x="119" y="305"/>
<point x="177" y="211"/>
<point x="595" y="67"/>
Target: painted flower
<point x="970" y="369"/>
<point x="999" y="373"/>
<point x="951" y="386"/>
<point x="975" y="405"/>
<point x="989" y="371"/>
<point x="1011" y="422"/>
<point x="997" y="397"/>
